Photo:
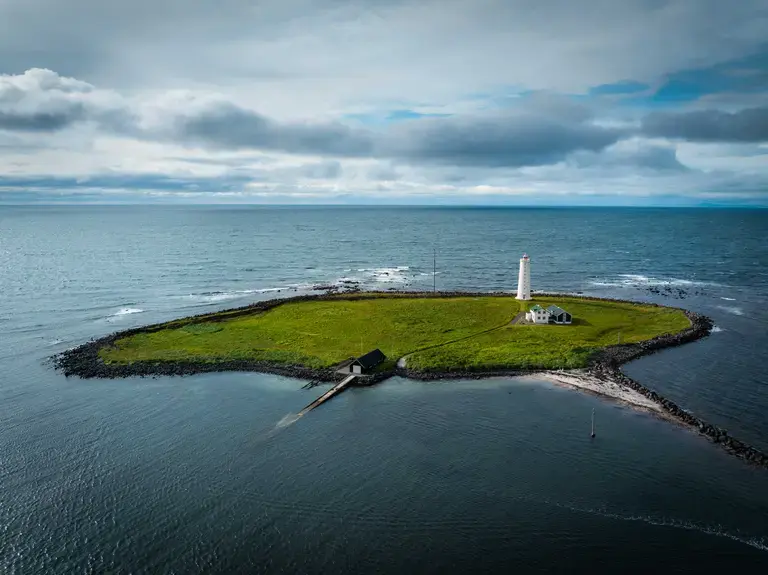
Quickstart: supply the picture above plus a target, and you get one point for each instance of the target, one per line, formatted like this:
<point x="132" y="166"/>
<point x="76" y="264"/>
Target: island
<point x="429" y="335"/>
<point x="571" y="340"/>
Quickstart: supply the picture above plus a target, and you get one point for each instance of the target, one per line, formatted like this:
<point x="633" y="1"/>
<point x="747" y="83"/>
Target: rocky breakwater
<point x="606" y="364"/>
<point x="458" y="374"/>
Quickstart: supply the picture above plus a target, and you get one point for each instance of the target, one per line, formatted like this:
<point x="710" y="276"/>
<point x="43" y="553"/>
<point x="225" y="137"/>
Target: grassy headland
<point x="460" y="333"/>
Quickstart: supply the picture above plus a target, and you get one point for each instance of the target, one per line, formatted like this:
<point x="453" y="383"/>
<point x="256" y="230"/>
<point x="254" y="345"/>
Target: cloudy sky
<point x="552" y="102"/>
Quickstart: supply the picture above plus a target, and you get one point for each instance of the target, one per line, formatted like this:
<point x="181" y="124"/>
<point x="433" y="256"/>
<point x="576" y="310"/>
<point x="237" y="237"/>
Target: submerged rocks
<point x="670" y="291"/>
<point x="345" y="286"/>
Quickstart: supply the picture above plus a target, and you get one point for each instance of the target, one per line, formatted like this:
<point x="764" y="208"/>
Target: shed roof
<point x="554" y="310"/>
<point x="371" y="359"/>
<point x="537" y="307"/>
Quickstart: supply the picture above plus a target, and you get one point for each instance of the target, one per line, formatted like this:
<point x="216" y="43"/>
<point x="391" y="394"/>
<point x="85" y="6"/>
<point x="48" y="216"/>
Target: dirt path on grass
<point x="403" y="360"/>
<point x="518" y="318"/>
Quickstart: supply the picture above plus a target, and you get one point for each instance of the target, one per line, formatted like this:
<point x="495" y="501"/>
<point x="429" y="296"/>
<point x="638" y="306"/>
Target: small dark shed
<point x="367" y="362"/>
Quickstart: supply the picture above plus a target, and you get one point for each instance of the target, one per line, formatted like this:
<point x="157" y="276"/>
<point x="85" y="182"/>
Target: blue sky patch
<point x="619" y="88"/>
<point x="743" y="75"/>
<point x="390" y="116"/>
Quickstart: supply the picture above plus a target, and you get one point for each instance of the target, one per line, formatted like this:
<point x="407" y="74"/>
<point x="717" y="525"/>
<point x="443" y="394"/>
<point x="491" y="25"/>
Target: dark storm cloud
<point x="115" y="121"/>
<point x="226" y="126"/>
<point x="498" y="142"/>
<point x="545" y="134"/>
<point x="749" y="125"/>
<point x="645" y="157"/>
<point x="40" y="121"/>
<point x="658" y="158"/>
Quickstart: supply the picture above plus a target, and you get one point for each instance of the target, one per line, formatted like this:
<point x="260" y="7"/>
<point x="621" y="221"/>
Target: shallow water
<point x="210" y="473"/>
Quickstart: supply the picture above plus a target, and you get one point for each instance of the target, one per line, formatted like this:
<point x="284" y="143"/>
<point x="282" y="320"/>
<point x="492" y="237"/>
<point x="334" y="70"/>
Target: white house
<point x="552" y="314"/>
<point x="537" y="314"/>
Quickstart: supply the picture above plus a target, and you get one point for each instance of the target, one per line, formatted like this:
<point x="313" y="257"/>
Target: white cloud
<point x="248" y="100"/>
<point x="40" y="100"/>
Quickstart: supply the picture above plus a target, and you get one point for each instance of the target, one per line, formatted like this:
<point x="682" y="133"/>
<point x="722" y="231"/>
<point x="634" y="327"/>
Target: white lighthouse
<point x="524" y="279"/>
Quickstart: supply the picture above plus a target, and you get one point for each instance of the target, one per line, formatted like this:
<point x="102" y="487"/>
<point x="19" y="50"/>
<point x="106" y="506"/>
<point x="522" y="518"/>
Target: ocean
<point x="197" y="474"/>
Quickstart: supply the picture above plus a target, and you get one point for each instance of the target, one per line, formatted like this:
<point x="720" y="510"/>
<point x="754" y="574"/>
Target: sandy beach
<point x="581" y="379"/>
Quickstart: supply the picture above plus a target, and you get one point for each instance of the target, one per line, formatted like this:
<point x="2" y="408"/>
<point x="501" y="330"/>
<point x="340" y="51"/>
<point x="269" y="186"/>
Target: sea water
<point x="213" y="473"/>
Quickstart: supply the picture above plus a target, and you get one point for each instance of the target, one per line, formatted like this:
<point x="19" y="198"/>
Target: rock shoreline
<point x="83" y="361"/>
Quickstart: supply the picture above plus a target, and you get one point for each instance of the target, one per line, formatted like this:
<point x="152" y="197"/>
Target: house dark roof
<point x="371" y="359"/>
<point x="554" y="310"/>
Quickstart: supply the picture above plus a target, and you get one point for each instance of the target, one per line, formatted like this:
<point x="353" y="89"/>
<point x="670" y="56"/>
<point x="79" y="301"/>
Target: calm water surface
<point x="195" y="474"/>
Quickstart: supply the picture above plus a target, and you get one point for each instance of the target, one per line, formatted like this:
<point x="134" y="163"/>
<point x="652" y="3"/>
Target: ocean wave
<point x="716" y="531"/>
<point x="717" y="329"/>
<point x="127" y="311"/>
<point x="732" y="310"/>
<point x="122" y="312"/>
<point x="639" y="280"/>
<point x="728" y="298"/>
<point x="219" y="296"/>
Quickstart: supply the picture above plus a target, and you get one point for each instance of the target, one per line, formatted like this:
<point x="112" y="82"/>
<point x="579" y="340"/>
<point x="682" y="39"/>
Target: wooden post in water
<point x="593" y="423"/>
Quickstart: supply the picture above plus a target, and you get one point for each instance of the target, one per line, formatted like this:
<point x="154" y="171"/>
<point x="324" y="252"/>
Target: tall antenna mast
<point x="434" y="270"/>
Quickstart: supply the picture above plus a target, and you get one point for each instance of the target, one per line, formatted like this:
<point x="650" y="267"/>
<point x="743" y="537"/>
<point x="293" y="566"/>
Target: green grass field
<point x="437" y="334"/>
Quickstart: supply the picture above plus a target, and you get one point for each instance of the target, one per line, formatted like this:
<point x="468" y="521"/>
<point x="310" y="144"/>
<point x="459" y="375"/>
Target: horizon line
<point x="365" y="205"/>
